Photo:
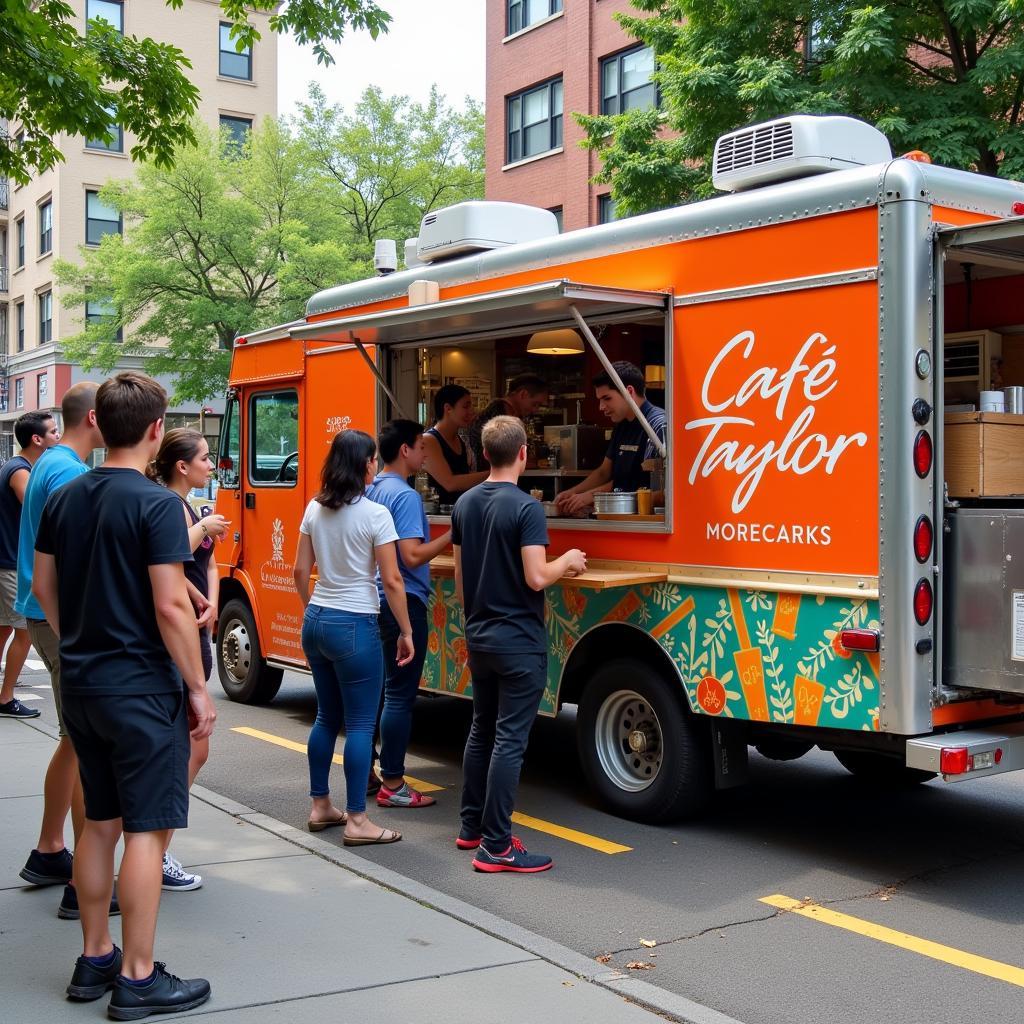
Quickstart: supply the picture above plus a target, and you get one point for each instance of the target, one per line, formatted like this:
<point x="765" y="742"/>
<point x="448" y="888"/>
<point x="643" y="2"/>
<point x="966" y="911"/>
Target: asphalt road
<point x="941" y="864"/>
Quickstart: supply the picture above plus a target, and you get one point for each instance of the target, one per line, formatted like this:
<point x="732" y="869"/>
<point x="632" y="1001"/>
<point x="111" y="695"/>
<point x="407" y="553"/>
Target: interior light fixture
<point x="562" y="342"/>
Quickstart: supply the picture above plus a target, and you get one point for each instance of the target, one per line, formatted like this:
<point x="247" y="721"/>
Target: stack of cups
<point x="992" y="401"/>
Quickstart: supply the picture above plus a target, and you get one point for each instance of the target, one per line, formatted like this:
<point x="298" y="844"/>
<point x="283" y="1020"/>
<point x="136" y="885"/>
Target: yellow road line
<point x="569" y="834"/>
<point x="934" y="950"/>
<point x="269" y="737"/>
<point x="537" y="824"/>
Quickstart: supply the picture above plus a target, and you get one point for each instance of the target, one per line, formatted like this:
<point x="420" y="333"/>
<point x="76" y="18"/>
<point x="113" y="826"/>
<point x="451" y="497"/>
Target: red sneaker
<point x="404" y="796"/>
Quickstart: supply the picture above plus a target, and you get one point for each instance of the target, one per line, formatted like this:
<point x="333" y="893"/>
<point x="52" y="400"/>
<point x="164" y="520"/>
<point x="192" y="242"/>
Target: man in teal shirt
<point x="50" y="862"/>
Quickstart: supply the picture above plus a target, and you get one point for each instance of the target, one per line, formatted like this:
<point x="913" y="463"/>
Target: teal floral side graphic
<point x="750" y="654"/>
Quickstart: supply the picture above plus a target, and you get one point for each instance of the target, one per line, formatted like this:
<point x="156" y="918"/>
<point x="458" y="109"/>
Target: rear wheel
<point x="643" y="754"/>
<point x="244" y="675"/>
<point x="880" y="770"/>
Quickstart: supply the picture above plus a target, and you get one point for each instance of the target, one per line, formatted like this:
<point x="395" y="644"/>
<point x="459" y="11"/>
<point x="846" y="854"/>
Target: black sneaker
<point x="47" y="868"/>
<point x="15" y="709"/>
<point x="515" y="858"/>
<point x="68" y="909"/>
<point x="467" y="839"/>
<point x="89" y="981"/>
<point x="164" y="994"/>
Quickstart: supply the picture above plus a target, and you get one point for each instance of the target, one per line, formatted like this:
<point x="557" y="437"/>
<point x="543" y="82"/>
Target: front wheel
<point x="642" y="753"/>
<point x="244" y="675"/>
<point x="880" y="770"/>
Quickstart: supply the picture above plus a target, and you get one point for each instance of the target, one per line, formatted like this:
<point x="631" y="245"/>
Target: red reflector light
<point x="923" y="453"/>
<point x="954" y="761"/>
<point x="923" y="538"/>
<point x="860" y="639"/>
<point x="999" y="754"/>
<point x="1017" y="209"/>
<point x="922" y="601"/>
<point x="226" y="462"/>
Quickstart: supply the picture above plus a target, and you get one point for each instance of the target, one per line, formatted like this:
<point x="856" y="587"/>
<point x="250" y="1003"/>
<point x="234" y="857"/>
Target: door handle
<point x="250" y="500"/>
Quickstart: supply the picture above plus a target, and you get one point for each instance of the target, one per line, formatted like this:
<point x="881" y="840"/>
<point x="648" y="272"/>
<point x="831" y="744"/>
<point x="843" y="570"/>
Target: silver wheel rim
<point x="629" y="741"/>
<point x="236" y="650"/>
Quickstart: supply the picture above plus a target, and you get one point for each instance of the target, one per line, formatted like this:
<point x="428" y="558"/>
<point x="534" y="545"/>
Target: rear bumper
<point x="996" y="749"/>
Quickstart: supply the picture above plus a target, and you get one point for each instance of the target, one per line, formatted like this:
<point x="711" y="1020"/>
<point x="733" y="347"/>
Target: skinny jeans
<point x="401" y="684"/>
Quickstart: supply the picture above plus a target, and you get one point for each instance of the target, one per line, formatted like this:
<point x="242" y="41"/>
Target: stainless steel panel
<point x="580" y="446"/>
<point x="984" y="566"/>
<point x="925" y="752"/>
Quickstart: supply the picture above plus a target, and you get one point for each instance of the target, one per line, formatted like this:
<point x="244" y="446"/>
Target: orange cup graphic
<point x="787" y="608"/>
<point x="750" y="669"/>
<point x="808" y="694"/>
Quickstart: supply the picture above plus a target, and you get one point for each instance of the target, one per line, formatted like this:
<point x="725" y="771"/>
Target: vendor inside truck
<point x="622" y="468"/>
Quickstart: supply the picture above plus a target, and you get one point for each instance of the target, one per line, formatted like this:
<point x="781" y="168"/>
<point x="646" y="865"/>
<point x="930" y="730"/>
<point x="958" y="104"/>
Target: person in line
<point x="622" y="466"/>
<point x="35" y="432"/>
<point x="350" y="539"/>
<point x="181" y="464"/>
<point x="109" y="575"/>
<point x="447" y="456"/>
<point x="50" y="863"/>
<point x="501" y="570"/>
<point x="527" y="394"/>
<point x="401" y="449"/>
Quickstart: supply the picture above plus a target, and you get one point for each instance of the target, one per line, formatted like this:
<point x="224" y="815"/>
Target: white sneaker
<point x="176" y="878"/>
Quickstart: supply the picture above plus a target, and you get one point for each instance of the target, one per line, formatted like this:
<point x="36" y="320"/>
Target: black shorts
<point x="133" y="753"/>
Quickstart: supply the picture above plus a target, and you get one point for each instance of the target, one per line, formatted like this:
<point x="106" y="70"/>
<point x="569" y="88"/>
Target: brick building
<point x="545" y="60"/>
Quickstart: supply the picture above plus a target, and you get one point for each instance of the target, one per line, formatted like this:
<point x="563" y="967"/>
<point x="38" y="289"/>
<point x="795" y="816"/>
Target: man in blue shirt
<point x="50" y="862"/>
<point x="401" y="449"/>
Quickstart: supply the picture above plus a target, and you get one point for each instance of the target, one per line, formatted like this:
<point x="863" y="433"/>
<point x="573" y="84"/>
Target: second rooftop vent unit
<point x="478" y="226"/>
<point x="795" y="147"/>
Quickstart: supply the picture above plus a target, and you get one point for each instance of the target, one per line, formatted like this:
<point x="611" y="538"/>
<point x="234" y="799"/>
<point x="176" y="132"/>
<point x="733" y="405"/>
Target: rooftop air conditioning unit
<point x="478" y="226"/>
<point x="795" y="147"/>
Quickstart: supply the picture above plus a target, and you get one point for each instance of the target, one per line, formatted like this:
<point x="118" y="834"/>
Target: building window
<point x="19" y="241"/>
<point x="557" y="211"/>
<point x="535" y="121"/>
<point x="110" y="11"/>
<point x="116" y="143"/>
<point x="626" y="81"/>
<point x="99" y="310"/>
<point x="45" y="227"/>
<point x="606" y="209"/>
<point x="42" y="390"/>
<point x="100" y="219"/>
<point x="19" y="319"/>
<point x="237" y="129"/>
<point x="19" y="393"/>
<point x="524" y="13"/>
<point x="45" y="317"/>
<point x="232" y="63"/>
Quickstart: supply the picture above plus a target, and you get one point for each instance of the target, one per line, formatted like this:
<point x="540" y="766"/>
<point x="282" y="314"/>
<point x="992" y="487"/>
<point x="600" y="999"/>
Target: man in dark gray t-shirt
<point x="500" y="539"/>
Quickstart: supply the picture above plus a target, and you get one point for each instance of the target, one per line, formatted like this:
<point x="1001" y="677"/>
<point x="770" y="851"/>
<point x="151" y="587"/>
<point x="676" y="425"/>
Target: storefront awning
<point x="513" y="311"/>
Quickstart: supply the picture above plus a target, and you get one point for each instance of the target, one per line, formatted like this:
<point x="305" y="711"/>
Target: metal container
<point x="580" y="445"/>
<point x="550" y="509"/>
<point x="621" y="503"/>
<point x="1013" y="399"/>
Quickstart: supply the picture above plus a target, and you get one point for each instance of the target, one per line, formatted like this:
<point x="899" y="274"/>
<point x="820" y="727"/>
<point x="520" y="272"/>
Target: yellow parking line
<point x="269" y="737"/>
<point x="569" y="834"/>
<point x="934" y="950"/>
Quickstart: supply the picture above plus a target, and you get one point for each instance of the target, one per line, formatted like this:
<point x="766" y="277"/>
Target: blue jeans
<point x="401" y="685"/>
<point x="344" y="655"/>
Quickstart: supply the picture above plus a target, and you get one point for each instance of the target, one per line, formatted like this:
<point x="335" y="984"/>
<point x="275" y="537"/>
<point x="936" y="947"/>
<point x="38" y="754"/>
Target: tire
<point x="776" y="749"/>
<point x="879" y="770"/>
<point x="244" y="676"/>
<point x="627" y="706"/>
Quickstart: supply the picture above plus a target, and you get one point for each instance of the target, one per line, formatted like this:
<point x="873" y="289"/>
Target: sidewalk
<point x="283" y="929"/>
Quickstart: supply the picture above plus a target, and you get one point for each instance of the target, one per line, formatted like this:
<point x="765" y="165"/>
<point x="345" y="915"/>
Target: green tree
<point x="54" y="80"/>
<point x="945" y="76"/>
<point x="391" y="161"/>
<point x="224" y="241"/>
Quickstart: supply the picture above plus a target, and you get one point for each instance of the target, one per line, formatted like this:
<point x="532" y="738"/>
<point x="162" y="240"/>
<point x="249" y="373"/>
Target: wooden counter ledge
<point x="593" y="579"/>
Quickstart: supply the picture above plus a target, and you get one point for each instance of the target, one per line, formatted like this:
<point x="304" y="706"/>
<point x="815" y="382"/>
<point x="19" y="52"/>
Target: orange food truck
<point x="839" y="561"/>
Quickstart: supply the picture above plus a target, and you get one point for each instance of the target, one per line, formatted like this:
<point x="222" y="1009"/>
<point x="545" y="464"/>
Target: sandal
<point x="379" y="841"/>
<point x="319" y="826"/>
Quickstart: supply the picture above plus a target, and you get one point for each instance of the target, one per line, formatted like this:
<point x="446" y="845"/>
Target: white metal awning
<point x="994" y="248"/>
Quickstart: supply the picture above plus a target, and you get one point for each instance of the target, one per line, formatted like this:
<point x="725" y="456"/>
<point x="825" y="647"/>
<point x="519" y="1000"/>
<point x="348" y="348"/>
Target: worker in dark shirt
<point x="527" y="394"/>
<point x="622" y="466"/>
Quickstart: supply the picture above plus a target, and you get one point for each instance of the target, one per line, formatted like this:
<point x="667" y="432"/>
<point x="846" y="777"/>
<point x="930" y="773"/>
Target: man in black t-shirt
<point x="108" y="575"/>
<point x="501" y="570"/>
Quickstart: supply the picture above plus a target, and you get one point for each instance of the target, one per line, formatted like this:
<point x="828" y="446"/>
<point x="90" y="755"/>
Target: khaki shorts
<point x="8" y="595"/>
<point x="47" y="646"/>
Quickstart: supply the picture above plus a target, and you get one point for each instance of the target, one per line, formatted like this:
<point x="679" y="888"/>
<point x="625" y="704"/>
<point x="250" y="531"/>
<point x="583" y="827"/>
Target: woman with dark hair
<point x="447" y="463"/>
<point x="182" y="463"/>
<point x="349" y="538"/>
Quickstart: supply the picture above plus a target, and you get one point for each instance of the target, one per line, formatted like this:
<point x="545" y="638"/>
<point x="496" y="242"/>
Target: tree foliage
<point x="54" y="80"/>
<point x="945" y="76"/>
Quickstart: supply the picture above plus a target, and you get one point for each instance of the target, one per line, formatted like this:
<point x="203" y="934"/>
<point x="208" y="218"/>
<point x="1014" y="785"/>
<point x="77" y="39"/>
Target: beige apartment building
<point x="58" y="212"/>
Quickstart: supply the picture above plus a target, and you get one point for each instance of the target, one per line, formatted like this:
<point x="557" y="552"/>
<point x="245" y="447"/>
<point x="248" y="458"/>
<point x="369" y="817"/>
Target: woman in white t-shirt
<point x="348" y="537"/>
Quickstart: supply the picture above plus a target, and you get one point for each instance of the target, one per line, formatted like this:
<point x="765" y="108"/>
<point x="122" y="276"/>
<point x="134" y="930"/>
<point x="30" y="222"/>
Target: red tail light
<point x="954" y="760"/>
<point x="860" y="639"/>
<point x="1017" y="209"/>
<point x="923" y="453"/>
<point x="226" y="462"/>
<point x="923" y="538"/>
<point x="922" y="601"/>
